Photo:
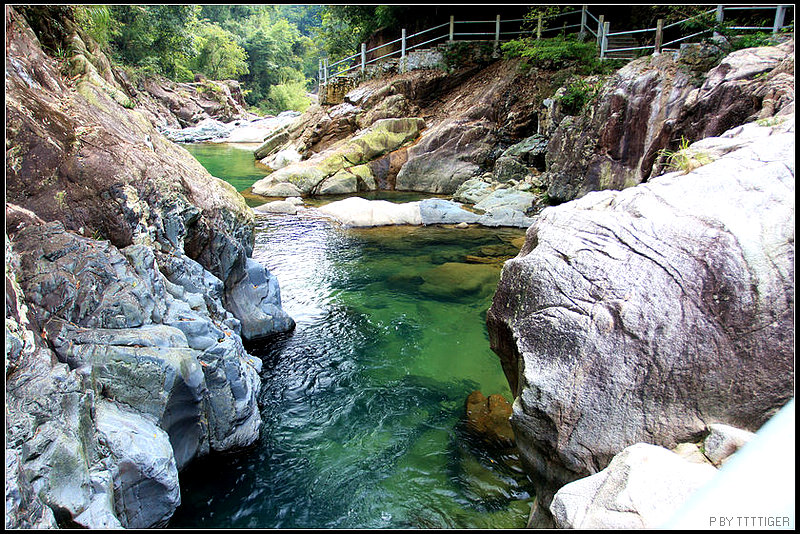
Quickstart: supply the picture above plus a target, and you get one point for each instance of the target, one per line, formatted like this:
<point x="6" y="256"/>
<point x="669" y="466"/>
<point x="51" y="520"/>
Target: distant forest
<point x="274" y="50"/>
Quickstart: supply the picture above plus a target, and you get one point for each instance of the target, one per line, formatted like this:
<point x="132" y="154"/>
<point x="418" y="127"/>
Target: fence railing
<point x="584" y="25"/>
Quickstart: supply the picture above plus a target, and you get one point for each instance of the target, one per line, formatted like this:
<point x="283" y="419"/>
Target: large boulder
<point x="332" y="171"/>
<point x="447" y="155"/>
<point x="359" y="212"/>
<point x="643" y="487"/>
<point x="643" y="314"/>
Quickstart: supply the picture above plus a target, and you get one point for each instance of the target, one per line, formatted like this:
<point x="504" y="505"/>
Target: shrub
<point x="286" y="96"/>
<point x="685" y="158"/>
<point x="554" y="53"/>
<point x="577" y="94"/>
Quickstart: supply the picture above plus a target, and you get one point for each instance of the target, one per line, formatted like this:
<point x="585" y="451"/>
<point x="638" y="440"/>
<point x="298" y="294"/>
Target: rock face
<point x="640" y="315"/>
<point x="129" y="292"/>
<point x="342" y="168"/>
<point x="172" y="105"/>
<point x="650" y="105"/>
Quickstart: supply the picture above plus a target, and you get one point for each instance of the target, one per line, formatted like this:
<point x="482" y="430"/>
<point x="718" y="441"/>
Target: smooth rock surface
<point x="356" y="211"/>
<point x="642" y="487"/>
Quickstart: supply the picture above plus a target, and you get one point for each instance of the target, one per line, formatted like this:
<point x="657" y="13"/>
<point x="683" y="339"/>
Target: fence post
<point x="604" y="42"/>
<point x="659" y="35"/>
<point x="539" y="28"/>
<point x="325" y="71"/>
<point x="403" y="52"/>
<point x="363" y="57"/>
<point x="780" y="12"/>
<point x="497" y="36"/>
<point x="720" y="16"/>
<point x="582" y="33"/>
<point x="319" y="78"/>
<point x="452" y="24"/>
<point x="600" y="31"/>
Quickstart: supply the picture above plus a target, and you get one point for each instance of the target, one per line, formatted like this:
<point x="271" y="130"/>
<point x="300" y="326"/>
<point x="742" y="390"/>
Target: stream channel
<point x="363" y="404"/>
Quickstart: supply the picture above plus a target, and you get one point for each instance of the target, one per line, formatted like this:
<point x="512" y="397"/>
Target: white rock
<point x="360" y="212"/>
<point x="642" y="487"/>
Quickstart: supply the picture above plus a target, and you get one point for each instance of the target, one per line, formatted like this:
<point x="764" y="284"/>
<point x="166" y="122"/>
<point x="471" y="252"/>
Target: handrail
<point x="601" y="34"/>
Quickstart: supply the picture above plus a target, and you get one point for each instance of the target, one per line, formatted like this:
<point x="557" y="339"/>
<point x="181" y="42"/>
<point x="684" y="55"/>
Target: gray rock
<point x="150" y="368"/>
<point x="282" y="158"/>
<point x="24" y="510"/>
<point x="273" y="143"/>
<point x="642" y="487"/>
<point x="341" y="183"/>
<point x="271" y="186"/>
<point x="505" y="216"/>
<point x="277" y="206"/>
<point x="205" y="130"/>
<point x="359" y="212"/>
<point x="446" y="156"/>
<point x="507" y="169"/>
<point x="508" y="198"/>
<point x="605" y="321"/>
<point x="146" y="489"/>
<point x="472" y="191"/>
<point x="530" y="151"/>
<point x="256" y="303"/>
<point x="724" y="440"/>
<point x="440" y="211"/>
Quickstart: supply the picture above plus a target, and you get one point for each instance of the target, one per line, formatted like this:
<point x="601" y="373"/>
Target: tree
<point x="155" y="37"/>
<point x="216" y="53"/>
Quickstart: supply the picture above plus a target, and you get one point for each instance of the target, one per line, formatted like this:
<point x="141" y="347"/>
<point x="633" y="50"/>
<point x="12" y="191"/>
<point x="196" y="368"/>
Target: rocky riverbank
<point x="642" y="315"/>
<point x="498" y="136"/>
<point x="130" y="291"/>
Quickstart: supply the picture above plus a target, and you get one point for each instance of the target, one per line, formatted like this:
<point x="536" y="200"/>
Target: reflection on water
<point x="363" y="403"/>
<point x="232" y="162"/>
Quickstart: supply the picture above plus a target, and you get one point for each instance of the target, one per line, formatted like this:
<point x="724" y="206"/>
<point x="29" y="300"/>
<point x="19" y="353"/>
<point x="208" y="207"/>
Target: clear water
<point x="363" y="404"/>
<point x="233" y="162"/>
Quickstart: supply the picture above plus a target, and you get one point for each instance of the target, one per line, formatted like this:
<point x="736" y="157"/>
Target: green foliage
<point x="577" y="94"/>
<point x="96" y="20"/>
<point x="217" y="55"/>
<point x="259" y="45"/>
<point x="345" y="27"/>
<point x="751" y="40"/>
<point x="461" y="53"/>
<point x="685" y="158"/>
<point x="154" y="38"/>
<point x="554" y="53"/>
<point x="286" y="96"/>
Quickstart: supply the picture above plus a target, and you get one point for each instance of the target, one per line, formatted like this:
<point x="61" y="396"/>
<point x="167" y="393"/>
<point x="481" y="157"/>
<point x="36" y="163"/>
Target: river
<point x="363" y="404"/>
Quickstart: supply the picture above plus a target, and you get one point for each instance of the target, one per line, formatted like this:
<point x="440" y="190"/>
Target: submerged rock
<point x="488" y="418"/>
<point x="453" y="280"/>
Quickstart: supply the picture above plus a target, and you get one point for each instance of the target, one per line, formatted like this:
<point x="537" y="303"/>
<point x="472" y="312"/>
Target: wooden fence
<point x="610" y="44"/>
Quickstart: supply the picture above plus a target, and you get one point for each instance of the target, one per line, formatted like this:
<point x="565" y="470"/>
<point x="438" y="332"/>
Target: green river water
<point x="363" y="404"/>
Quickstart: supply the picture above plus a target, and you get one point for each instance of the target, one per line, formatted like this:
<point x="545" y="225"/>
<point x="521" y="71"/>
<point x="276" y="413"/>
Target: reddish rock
<point x="488" y="418"/>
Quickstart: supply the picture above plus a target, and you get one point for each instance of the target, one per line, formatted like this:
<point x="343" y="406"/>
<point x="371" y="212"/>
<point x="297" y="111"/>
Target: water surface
<point x="363" y="404"/>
